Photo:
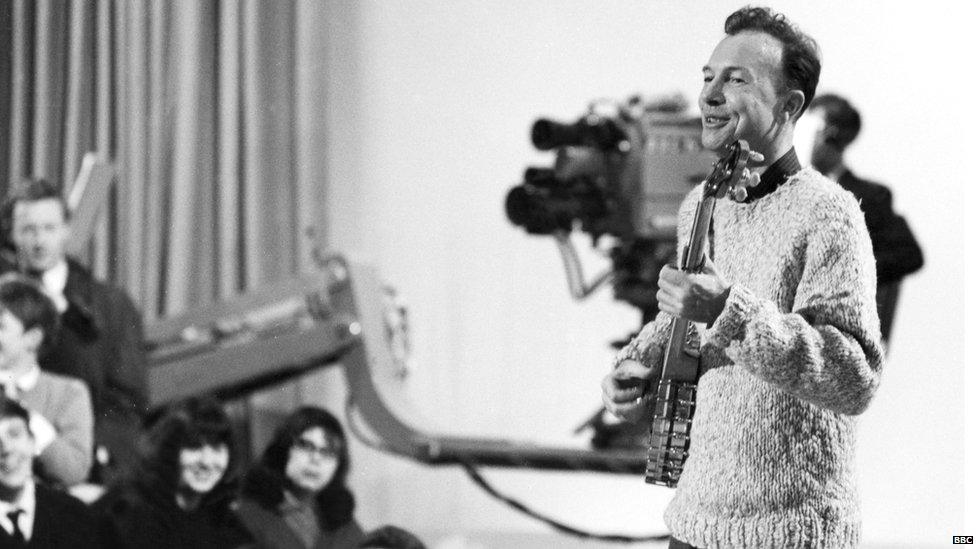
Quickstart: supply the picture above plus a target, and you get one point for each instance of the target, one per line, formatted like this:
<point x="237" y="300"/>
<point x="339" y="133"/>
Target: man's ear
<point x="792" y="104"/>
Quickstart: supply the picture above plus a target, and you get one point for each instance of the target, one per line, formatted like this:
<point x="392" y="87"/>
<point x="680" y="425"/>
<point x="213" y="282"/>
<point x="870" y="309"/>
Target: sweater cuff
<point x="730" y="325"/>
<point x="628" y="352"/>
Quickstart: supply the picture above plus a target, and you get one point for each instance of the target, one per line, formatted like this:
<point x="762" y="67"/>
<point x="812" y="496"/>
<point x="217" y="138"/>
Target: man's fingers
<point x="669" y="286"/>
<point x="669" y="274"/>
<point x="666" y="301"/>
<point x="624" y="396"/>
<point x="623" y="403"/>
<point x="625" y="390"/>
<point x="626" y="412"/>
<point x="629" y="370"/>
<point x="626" y="409"/>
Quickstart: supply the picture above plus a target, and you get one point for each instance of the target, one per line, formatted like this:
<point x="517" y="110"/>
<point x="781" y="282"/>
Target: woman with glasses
<point x="295" y="497"/>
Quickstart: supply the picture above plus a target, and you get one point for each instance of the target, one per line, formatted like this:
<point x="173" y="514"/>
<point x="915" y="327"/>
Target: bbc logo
<point x="962" y="540"/>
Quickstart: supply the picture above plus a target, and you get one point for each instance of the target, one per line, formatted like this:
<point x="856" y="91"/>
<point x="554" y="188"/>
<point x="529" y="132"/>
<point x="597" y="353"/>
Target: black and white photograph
<point x="407" y="274"/>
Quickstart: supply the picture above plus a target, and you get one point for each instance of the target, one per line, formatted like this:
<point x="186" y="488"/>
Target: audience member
<point x="33" y="515"/>
<point x="101" y="338"/>
<point x="60" y="407"/>
<point x="295" y="496"/>
<point x="182" y="491"/>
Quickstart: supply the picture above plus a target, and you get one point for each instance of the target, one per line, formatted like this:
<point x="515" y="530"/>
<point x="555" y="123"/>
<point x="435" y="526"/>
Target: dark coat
<point x="60" y="521"/>
<point x="270" y="531"/>
<point x="895" y="249"/>
<point x="896" y="252"/>
<point x="140" y="516"/>
<point x="101" y="342"/>
<point x="263" y="491"/>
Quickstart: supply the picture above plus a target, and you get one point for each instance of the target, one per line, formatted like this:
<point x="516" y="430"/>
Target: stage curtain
<point x="198" y="105"/>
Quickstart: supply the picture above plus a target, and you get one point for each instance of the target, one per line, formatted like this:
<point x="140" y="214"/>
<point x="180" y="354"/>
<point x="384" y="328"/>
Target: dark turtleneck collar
<point x="775" y="175"/>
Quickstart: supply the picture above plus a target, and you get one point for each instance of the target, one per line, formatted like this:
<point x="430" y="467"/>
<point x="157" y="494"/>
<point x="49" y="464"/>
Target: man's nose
<point x="711" y="93"/>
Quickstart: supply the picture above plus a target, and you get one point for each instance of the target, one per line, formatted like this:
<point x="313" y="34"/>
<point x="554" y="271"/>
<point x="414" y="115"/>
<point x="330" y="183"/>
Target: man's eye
<point x="709" y="78"/>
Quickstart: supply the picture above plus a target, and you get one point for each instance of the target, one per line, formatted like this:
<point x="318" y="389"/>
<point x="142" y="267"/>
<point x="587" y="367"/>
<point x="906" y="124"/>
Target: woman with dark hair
<point x="295" y="497"/>
<point x="180" y="493"/>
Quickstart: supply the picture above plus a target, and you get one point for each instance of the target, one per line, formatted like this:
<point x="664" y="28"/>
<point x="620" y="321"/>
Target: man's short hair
<point x="843" y="120"/>
<point x="26" y="301"/>
<point x="801" y="56"/>
<point x="10" y="408"/>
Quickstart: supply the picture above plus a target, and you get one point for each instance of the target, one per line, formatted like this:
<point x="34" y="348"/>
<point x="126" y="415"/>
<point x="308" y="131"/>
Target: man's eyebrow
<point x="730" y="68"/>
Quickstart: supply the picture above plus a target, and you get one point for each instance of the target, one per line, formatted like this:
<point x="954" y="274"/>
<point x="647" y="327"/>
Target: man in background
<point x="828" y="129"/>
<point x="100" y="340"/>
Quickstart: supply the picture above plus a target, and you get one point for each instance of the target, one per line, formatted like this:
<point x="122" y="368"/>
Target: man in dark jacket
<point x="833" y="124"/>
<point x="101" y="338"/>
<point x="31" y="514"/>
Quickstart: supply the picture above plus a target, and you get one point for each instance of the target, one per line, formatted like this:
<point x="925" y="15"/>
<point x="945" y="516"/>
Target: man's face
<point x="40" y="233"/>
<point x="740" y="96"/>
<point x="16" y="454"/>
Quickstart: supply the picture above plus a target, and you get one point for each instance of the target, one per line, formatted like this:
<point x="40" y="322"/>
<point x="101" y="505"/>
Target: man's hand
<point x="623" y="391"/>
<point x="43" y="430"/>
<point x="699" y="297"/>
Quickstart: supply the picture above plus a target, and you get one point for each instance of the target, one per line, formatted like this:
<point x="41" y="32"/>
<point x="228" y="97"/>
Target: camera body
<point x="620" y="170"/>
<point x="622" y="173"/>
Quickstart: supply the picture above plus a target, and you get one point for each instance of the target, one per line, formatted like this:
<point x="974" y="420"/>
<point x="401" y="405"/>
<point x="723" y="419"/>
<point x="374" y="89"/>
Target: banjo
<point x="674" y="405"/>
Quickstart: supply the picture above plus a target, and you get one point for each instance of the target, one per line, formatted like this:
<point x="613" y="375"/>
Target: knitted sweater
<point x="66" y="403"/>
<point x="792" y="358"/>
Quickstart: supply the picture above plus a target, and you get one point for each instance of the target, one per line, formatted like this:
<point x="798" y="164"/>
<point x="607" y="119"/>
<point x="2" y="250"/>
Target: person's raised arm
<point x="827" y="349"/>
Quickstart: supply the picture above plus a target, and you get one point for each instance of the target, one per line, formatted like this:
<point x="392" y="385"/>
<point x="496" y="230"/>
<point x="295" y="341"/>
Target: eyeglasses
<point x="309" y="447"/>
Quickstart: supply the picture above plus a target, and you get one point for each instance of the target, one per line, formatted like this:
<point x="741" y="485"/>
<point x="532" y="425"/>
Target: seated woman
<point x="181" y="490"/>
<point x="295" y="496"/>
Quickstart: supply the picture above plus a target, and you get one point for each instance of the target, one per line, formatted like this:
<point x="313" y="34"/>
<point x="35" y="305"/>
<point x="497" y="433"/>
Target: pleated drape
<point x="195" y="104"/>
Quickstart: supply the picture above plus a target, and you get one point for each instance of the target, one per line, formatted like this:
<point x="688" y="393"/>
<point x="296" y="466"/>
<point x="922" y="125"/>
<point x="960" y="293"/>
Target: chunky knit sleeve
<point x="647" y="347"/>
<point x="826" y="350"/>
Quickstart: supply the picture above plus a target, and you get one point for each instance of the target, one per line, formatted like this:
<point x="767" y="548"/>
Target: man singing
<point x="791" y="350"/>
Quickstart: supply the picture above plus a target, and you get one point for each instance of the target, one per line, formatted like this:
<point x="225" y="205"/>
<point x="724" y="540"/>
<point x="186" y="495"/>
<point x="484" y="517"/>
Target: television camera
<point x="620" y="171"/>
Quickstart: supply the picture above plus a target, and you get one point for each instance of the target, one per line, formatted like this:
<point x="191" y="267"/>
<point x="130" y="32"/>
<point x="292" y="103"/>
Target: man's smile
<point x="714" y="121"/>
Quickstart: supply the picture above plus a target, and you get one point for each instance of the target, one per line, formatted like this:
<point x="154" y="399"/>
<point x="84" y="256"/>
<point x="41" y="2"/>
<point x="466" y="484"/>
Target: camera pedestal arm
<point x="574" y="269"/>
